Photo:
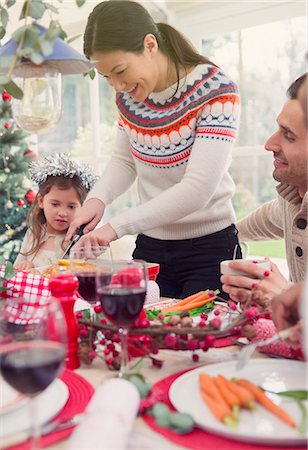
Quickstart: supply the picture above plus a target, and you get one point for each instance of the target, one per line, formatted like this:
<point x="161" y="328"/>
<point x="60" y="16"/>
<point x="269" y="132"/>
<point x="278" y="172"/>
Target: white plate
<point x="49" y="403"/>
<point x="258" y="426"/>
<point x="9" y="398"/>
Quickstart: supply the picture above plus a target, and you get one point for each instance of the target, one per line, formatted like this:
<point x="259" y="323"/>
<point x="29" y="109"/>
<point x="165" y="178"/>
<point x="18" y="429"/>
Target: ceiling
<point x="197" y="19"/>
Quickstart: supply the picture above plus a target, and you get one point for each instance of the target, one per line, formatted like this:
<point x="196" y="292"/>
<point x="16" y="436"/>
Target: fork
<point x="246" y="352"/>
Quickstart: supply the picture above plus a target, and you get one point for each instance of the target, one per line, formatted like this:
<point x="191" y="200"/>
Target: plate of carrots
<point x="263" y="403"/>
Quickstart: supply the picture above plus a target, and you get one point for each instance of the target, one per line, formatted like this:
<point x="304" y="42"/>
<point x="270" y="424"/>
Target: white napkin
<point x="109" y="417"/>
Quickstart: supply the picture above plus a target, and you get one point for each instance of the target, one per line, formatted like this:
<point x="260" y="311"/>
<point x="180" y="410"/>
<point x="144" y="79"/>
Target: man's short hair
<point x="293" y="89"/>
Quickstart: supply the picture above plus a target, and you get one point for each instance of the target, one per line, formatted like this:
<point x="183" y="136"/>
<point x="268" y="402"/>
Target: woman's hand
<point x="270" y="282"/>
<point x="24" y="265"/>
<point x="90" y="213"/>
<point x="100" y="237"/>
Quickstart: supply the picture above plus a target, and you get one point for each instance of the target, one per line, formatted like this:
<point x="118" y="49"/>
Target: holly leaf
<point x="79" y="3"/>
<point x="4" y="16"/>
<point x="14" y="90"/>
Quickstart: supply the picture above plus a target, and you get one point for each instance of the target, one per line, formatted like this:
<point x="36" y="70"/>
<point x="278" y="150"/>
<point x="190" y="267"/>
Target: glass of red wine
<point x="122" y="298"/>
<point x="32" y="348"/>
<point x="84" y="263"/>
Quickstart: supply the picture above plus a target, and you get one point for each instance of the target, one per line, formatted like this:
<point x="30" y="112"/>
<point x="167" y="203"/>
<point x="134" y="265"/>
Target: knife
<point x="75" y="238"/>
<point x="47" y="428"/>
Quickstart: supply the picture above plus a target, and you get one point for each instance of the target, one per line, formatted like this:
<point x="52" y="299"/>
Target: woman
<point x="178" y="121"/>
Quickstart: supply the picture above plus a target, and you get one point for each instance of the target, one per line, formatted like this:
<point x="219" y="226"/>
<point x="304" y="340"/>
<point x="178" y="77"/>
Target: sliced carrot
<point x="246" y="399"/>
<point x="230" y="397"/>
<point x="265" y="401"/>
<point x="219" y="411"/>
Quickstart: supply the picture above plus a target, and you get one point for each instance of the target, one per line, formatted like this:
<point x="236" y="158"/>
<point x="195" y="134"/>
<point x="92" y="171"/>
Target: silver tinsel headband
<point x="61" y="165"/>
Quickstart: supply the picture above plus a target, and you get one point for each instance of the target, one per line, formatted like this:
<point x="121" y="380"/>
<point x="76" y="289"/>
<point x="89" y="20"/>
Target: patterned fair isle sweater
<point x="179" y="148"/>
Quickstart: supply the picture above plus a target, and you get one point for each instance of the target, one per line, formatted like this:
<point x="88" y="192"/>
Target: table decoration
<point x="215" y="324"/>
<point x="80" y="393"/>
<point x="200" y="439"/>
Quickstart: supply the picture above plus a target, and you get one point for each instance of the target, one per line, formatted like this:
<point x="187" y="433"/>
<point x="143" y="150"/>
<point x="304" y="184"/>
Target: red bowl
<point x="153" y="270"/>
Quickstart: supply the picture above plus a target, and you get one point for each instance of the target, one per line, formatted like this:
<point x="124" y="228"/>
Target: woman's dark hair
<point x="293" y="89"/>
<point x="123" y="25"/>
<point x="36" y="218"/>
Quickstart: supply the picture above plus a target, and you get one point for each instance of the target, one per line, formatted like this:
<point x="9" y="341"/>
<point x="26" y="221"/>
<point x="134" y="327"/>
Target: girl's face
<point x="60" y="207"/>
<point x="136" y="74"/>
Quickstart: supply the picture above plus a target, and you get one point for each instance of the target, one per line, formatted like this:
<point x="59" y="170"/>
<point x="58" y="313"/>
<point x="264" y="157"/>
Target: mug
<point x="226" y="270"/>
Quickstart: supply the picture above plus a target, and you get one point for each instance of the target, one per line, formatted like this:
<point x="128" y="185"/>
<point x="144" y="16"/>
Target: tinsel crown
<point x="60" y="164"/>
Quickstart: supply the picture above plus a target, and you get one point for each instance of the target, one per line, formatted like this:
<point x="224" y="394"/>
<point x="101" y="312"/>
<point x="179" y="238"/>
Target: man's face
<point x="289" y="147"/>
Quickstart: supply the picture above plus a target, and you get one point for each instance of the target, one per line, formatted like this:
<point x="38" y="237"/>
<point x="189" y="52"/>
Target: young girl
<point x="178" y="121"/>
<point x="63" y="185"/>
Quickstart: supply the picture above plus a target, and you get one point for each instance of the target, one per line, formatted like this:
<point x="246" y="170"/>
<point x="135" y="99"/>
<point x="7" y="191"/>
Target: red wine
<point x="30" y="367"/>
<point x="121" y="306"/>
<point x="87" y="286"/>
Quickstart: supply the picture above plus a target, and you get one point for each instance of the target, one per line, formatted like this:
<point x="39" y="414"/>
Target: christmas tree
<point x="16" y="194"/>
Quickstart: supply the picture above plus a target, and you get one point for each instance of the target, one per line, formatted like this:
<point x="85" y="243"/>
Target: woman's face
<point x="136" y="74"/>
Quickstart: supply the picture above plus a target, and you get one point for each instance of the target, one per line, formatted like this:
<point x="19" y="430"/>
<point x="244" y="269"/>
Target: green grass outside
<point x="274" y="249"/>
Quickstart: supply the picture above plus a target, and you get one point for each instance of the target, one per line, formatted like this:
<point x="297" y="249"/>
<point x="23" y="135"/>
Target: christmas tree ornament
<point x="25" y="183"/>
<point x="30" y="196"/>
<point x="61" y="165"/>
<point x="6" y="97"/>
<point x="20" y="203"/>
<point x="7" y="126"/>
<point x="39" y="111"/>
<point x="31" y="154"/>
<point x="9" y="204"/>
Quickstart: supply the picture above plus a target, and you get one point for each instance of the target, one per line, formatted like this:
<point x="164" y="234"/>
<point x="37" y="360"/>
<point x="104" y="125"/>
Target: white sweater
<point x="179" y="148"/>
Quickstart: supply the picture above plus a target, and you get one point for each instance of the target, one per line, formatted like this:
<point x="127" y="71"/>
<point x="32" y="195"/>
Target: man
<point x="286" y="216"/>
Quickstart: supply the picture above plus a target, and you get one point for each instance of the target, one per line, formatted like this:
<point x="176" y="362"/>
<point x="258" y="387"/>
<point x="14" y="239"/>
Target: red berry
<point x="110" y="361"/>
<point x="216" y="322"/>
<point x="232" y="305"/>
<point x="6" y="97"/>
<point x="170" y="340"/>
<point x="102" y="341"/>
<point x="252" y="312"/>
<point x="192" y="344"/>
<point x="216" y="312"/>
<point x="98" y="309"/>
<point x="201" y="324"/>
<point x="204" y="316"/>
<point x="110" y="346"/>
<point x="107" y="351"/>
<point x="103" y="321"/>
<point x="209" y="340"/>
<point x="195" y="357"/>
<point x="7" y="126"/>
<point x="157" y="362"/>
<point x="154" y="351"/>
<point x="83" y="332"/>
<point x="79" y="315"/>
<point x="267" y="273"/>
<point x="211" y="294"/>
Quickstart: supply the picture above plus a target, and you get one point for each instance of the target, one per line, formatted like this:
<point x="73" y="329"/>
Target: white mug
<point x="226" y="270"/>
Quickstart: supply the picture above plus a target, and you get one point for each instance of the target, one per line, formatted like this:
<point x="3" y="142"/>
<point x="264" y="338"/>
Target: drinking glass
<point x="122" y="299"/>
<point x="32" y="350"/>
<point x="84" y="262"/>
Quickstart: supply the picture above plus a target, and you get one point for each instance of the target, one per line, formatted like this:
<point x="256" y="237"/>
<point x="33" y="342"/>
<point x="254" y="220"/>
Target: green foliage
<point x="14" y="183"/>
<point x="9" y="272"/>
<point x="30" y="44"/>
<point x="274" y="249"/>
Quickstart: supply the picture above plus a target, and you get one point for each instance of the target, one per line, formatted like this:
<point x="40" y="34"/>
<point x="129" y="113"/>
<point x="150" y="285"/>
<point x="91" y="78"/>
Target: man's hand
<point x="90" y="213"/>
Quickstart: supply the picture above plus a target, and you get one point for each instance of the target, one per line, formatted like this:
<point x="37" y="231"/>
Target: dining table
<point x="143" y="436"/>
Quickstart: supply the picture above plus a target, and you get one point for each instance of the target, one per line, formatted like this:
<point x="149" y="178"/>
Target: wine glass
<point x="122" y="299"/>
<point x="33" y="348"/>
<point x="84" y="262"/>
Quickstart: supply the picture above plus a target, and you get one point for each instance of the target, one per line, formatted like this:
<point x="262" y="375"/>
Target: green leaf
<point x="181" y="422"/>
<point x="92" y="74"/>
<point x="2" y="32"/>
<point x="9" y="271"/>
<point x="37" y="9"/>
<point x="79" y="3"/>
<point x="36" y="58"/>
<point x="51" y="8"/>
<point x="73" y="38"/>
<point x="46" y="47"/>
<point x="10" y="3"/>
<point x="297" y="394"/>
<point x="14" y="90"/>
<point x="303" y="423"/>
<point x="4" y="17"/>
<point x="141" y="385"/>
<point x="159" y="409"/>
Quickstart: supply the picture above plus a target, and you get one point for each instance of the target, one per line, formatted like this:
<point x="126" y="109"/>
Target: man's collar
<point x="289" y="193"/>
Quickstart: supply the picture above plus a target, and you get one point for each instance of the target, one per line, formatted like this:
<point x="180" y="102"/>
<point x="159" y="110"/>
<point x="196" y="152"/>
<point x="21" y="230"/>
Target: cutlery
<point x="47" y="428"/>
<point x="75" y="238"/>
<point x="246" y="352"/>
